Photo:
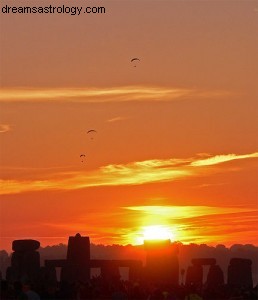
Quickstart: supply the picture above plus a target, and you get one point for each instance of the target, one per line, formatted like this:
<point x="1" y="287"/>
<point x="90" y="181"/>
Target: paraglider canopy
<point x="91" y="130"/>
<point x="91" y="133"/>
<point x="134" y="60"/>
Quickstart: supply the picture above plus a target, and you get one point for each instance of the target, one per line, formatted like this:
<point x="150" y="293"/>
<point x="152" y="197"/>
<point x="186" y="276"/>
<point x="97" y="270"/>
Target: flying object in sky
<point x="82" y="156"/>
<point x="91" y="132"/>
<point x="135" y="60"/>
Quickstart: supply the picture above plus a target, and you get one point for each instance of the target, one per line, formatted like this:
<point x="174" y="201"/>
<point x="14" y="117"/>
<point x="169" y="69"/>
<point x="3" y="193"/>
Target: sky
<point x="175" y="148"/>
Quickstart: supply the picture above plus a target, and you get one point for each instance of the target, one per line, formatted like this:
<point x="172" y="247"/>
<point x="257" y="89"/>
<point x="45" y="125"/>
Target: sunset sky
<point x="176" y="141"/>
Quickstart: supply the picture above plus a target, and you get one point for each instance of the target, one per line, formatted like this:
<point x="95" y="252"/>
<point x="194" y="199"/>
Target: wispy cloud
<point x="111" y="175"/>
<point x="218" y="159"/>
<point x="4" y="128"/>
<point x="205" y="185"/>
<point x="232" y="227"/>
<point x="114" y="94"/>
<point x="134" y="173"/>
<point x="116" y="119"/>
<point x="179" y="212"/>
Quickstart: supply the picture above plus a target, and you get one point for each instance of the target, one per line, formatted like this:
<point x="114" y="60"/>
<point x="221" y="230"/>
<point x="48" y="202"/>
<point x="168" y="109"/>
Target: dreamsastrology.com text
<point x="50" y="9"/>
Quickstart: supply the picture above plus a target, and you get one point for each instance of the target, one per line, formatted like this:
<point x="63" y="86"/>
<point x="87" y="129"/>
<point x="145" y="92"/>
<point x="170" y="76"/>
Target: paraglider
<point x="91" y="132"/>
<point x="82" y="156"/>
<point x="134" y="60"/>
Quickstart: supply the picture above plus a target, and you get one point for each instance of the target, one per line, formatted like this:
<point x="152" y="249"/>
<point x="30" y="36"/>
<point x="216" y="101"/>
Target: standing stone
<point x="25" y="261"/>
<point x="78" y="251"/>
<point x="162" y="264"/>
<point x="78" y="260"/>
<point x="215" y="277"/>
<point x="194" y="275"/>
<point x="240" y="273"/>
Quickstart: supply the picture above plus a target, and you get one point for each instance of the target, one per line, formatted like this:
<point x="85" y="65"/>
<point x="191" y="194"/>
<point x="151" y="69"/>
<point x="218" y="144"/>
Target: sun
<point x="157" y="232"/>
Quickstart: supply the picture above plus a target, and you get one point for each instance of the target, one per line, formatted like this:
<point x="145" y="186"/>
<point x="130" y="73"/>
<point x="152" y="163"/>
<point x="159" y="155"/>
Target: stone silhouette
<point x="215" y="277"/>
<point x="161" y="262"/>
<point x="162" y="267"/>
<point x="194" y="275"/>
<point x="77" y="267"/>
<point x="78" y="264"/>
<point x="25" y="261"/>
<point x="240" y="273"/>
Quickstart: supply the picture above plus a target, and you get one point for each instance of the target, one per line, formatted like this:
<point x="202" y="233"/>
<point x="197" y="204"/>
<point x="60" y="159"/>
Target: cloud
<point x="4" y="128"/>
<point x="102" y="95"/>
<point x="182" y="212"/>
<point x="111" y="175"/>
<point x="116" y="119"/>
<point x="228" y="226"/>
<point x="218" y="159"/>
<point x="134" y="173"/>
<point x="204" y="185"/>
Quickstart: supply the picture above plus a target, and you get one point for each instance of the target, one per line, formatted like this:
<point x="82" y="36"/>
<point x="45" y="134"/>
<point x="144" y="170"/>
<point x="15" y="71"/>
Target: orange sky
<point x="176" y="141"/>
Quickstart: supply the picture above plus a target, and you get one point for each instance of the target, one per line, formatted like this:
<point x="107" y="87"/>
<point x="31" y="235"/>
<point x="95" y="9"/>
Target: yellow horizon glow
<point x="177" y="223"/>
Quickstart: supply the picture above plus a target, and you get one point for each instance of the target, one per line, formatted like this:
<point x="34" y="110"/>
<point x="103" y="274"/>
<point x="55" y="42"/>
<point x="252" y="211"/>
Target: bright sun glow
<point x="158" y="232"/>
